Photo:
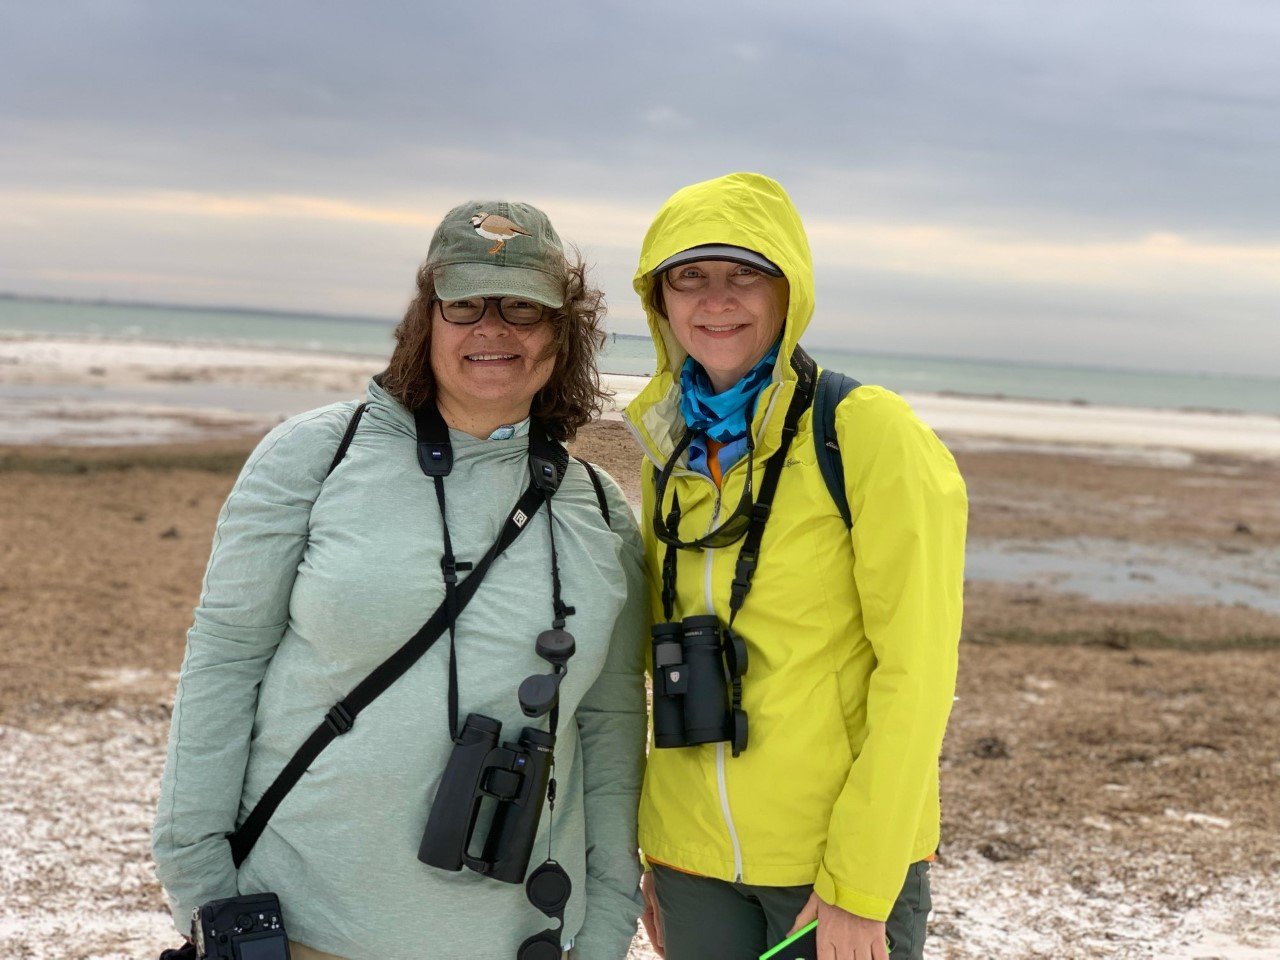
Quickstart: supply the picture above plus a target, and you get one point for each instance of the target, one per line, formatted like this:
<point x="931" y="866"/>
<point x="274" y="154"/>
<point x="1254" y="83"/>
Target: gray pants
<point x="704" y="918"/>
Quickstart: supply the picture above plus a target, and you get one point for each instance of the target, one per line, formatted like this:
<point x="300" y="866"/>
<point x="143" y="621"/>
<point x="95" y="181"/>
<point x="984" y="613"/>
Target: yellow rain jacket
<point x="852" y="634"/>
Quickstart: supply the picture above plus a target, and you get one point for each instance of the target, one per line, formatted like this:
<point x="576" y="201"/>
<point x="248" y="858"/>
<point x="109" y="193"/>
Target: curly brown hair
<point x="572" y="396"/>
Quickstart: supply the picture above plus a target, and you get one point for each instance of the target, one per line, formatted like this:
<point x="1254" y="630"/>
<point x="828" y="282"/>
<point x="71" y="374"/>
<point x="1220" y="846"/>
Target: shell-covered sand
<point x="1111" y="776"/>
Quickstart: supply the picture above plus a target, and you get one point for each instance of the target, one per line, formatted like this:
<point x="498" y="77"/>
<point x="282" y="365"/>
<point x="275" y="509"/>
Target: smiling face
<point x="725" y="315"/>
<point x="488" y="372"/>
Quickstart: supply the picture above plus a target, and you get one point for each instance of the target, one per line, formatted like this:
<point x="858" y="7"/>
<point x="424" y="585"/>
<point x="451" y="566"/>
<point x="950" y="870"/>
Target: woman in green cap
<point x="806" y="603"/>
<point x="349" y="528"/>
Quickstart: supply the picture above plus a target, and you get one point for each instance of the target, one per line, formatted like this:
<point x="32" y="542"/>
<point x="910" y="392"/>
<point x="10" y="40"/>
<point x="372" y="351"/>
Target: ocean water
<point x="634" y="355"/>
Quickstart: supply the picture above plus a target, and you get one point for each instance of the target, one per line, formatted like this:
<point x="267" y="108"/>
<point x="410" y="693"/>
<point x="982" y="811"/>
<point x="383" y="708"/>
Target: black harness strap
<point x="600" y="498"/>
<point x="449" y="567"/>
<point x="346" y="438"/>
<point x="435" y="456"/>
<point x="669" y="561"/>
<point x="749" y="553"/>
<point x="672" y="523"/>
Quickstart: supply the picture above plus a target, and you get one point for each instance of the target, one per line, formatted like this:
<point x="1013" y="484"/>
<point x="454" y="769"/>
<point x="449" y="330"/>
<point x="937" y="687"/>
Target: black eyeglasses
<point x="731" y="531"/>
<point x="517" y="311"/>
<point x="691" y="279"/>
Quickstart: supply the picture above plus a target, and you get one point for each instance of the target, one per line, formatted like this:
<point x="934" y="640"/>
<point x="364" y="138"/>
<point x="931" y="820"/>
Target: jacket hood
<point x="743" y="209"/>
<point x="746" y="210"/>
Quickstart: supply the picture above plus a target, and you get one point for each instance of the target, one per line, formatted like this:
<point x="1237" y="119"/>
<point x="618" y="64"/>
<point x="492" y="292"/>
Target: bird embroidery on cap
<point x="497" y="228"/>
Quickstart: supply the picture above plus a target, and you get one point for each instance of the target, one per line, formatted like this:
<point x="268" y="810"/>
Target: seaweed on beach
<point x="207" y="458"/>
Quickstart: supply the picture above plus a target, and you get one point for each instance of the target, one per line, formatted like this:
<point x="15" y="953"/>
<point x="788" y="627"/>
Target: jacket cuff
<point x="189" y="883"/>
<point x="609" y="925"/>
<point x="848" y="899"/>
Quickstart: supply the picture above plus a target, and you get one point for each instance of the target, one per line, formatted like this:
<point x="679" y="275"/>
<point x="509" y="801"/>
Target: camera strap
<point x="548" y="461"/>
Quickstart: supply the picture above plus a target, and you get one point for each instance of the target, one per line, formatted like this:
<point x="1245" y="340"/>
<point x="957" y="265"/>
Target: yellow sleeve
<point x="909" y="511"/>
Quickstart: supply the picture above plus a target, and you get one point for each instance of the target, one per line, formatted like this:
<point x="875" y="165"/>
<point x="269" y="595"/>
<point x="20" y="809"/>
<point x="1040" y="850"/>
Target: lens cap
<point x="556" y="646"/>
<point x="548" y="888"/>
<point x="539" y="693"/>
<point x="541" y="946"/>
<point x="735" y="649"/>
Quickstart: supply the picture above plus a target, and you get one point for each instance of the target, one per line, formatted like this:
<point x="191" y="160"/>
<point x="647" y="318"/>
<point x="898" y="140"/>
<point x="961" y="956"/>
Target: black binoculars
<point x="698" y="665"/>
<point x="514" y="776"/>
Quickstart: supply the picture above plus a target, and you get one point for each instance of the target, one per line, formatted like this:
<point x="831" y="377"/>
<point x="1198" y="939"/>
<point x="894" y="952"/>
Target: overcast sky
<point x="1087" y="182"/>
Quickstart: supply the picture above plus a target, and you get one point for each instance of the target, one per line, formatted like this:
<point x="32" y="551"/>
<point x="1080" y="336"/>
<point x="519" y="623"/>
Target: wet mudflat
<point x="1111" y="778"/>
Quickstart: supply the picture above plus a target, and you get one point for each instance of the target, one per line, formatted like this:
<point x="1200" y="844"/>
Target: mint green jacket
<point x="311" y="584"/>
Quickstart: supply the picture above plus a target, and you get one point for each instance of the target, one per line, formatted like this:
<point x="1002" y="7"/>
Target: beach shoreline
<point x="150" y="391"/>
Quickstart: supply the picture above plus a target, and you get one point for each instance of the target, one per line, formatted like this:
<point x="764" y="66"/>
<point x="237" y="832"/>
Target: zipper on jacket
<point x="721" y="787"/>
<point x="720" y="772"/>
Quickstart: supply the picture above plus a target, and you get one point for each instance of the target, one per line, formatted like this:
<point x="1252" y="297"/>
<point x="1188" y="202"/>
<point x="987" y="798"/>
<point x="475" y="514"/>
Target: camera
<point x="240" y="928"/>
<point x="698" y="665"/>
<point x="513" y="777"/>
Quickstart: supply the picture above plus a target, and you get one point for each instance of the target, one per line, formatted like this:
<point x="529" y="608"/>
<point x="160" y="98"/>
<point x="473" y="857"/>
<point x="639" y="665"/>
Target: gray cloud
<point x="1164" y="113"/>
<point x="1084" y="122"/>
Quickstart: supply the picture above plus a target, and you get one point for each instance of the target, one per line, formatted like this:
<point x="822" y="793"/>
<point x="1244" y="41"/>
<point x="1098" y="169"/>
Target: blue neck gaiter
<point x="724" y="417"/>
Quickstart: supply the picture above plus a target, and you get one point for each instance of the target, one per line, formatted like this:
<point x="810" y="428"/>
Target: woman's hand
<point x="842" y="935"/>
<point x="652" y="918"/>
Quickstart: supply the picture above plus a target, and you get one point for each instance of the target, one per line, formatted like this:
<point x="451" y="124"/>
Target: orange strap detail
<point x="713" y="464"/>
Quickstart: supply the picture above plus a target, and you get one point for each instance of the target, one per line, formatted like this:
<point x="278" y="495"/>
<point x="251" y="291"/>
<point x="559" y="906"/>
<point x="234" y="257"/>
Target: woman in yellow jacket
<point x="803" y="667"/>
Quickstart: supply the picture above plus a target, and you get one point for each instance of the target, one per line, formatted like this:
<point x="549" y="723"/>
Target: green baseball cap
<point x="493" y="248"/>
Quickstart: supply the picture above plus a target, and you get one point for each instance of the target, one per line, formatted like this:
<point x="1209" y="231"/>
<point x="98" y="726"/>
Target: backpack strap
<point x="346" y="437"/>
<point x="595" y="482"/>
<point x="832" y="388"/>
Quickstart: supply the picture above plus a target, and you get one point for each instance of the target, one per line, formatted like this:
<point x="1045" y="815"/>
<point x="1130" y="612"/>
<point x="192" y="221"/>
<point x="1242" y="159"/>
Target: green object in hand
<point x="801" y="945"/>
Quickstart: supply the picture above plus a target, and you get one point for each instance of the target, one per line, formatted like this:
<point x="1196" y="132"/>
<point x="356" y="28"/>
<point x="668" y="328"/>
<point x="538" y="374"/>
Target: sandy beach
<point x="1111" y="776"/>
<point x="86" y="392"/>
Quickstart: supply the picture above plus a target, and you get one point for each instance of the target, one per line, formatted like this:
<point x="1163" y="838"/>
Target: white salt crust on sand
<point x="173" y="374"/>
<point x="76" y="881"/>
